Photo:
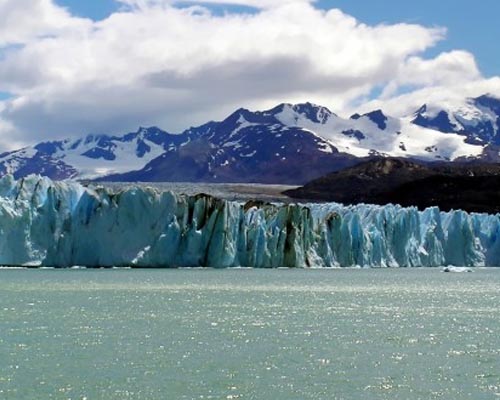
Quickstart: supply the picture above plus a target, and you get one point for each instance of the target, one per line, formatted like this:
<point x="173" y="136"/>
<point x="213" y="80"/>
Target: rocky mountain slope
<point x="473" y="187"/>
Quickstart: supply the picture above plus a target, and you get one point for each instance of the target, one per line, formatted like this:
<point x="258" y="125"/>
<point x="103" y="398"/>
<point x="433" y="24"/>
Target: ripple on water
<point x="138" y="334"/>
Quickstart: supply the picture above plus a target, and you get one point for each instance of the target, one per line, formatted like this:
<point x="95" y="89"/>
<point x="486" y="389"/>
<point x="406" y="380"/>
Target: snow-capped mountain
<point x="478" y="119"/>
<point x="375" y="133"/>
<point x="285" y="144"/>
<point x="245" y="147"/>
<point x="88" y="157"/>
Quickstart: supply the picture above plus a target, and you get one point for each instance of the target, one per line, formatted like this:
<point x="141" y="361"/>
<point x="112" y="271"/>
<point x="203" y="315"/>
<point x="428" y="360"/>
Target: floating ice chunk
<point x="456" y="269"/>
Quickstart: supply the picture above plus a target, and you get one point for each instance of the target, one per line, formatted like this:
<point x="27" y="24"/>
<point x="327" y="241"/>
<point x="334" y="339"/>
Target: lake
<point x="249" y="334"/>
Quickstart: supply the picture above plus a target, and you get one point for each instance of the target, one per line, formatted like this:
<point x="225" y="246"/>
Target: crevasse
<point x="63" y="224"/>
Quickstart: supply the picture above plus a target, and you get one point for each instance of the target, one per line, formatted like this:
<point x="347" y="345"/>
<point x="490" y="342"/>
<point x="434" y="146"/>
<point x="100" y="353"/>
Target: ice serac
<point x="64" y="224"/>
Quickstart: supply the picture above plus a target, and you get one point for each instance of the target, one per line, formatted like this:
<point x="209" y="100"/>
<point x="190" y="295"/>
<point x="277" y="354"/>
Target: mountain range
<point x="289" y="144"/>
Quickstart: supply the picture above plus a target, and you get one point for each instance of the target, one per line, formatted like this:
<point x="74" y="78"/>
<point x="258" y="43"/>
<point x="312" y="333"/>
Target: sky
<point x="470" y="28"/>
<point x="72" y="67"/>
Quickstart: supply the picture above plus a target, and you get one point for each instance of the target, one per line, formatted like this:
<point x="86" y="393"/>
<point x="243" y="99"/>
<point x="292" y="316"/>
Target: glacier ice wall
<point x="64" y="224"/>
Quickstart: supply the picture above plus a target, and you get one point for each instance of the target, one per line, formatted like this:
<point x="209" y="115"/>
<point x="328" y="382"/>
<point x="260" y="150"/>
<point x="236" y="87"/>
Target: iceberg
<point x="64" y="224"/>
<point x="456" y="269"/>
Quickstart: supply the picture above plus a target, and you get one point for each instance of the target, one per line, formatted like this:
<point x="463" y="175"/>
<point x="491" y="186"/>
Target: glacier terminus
<point x="64" y="224"/>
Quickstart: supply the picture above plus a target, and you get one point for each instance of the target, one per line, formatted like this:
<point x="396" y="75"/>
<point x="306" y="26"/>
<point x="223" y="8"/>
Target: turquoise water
<point x="249" y="334"/>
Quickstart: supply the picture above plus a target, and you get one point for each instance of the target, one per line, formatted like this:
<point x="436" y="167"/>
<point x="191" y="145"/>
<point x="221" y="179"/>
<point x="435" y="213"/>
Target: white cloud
<point x="155" y="63"/>
<point x="445" y="70"/>
<point x="22" y="21"/>
<point x="450" y="95"/>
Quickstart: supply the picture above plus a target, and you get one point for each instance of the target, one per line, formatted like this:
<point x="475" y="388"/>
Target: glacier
<point x="64" y="224"/>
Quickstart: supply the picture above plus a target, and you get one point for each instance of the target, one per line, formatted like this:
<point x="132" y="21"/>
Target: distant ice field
<point x="227" y="191"/>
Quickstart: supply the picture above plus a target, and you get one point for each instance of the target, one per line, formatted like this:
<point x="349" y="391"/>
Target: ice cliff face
<point x="64" y="224"/>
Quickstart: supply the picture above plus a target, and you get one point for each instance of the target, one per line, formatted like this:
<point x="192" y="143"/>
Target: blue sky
<point x="470" y="27"/>
<point x="5" y="96"/>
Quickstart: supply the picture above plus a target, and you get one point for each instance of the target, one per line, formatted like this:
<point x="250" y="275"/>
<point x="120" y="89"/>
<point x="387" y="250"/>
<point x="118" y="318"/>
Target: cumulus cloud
<point x="445" y="70"/>
<point x="447" y="96"/>
<point x="153" y="62"/>
<point x="26" y="20"/>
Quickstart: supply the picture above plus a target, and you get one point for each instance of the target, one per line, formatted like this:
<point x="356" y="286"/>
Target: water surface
<point x="249" y="334"/>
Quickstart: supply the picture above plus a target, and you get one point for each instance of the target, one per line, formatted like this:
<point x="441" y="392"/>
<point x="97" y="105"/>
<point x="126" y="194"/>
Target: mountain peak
<point x="378" y="117"/>
<point x="478" y="119"/>
<point x="489" y="101"/>
<point x="278" y="109"/>
<point x="421" y="110"/>
<point x="438" y="120"/>
<point x="237" y="114"/>
<point x="313" y="112"/>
